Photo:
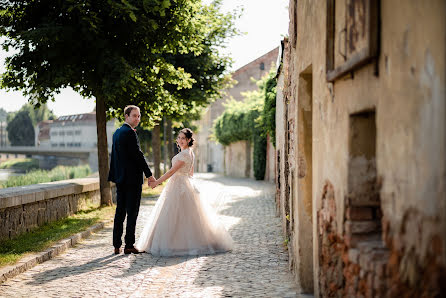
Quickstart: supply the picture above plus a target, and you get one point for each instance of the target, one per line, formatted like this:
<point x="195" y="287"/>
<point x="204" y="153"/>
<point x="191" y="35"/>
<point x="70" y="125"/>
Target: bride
<point x="181" y="222"/>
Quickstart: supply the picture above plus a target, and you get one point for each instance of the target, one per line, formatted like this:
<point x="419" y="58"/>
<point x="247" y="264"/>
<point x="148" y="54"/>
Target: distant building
<point x="71" y="131"/>
<point x="42" y="134"/>
<point x="3" y="134"/>
<point x="209" y="154"/>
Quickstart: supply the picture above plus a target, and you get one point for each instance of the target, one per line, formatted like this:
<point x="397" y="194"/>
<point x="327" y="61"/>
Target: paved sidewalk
<point x="257" y="267"/>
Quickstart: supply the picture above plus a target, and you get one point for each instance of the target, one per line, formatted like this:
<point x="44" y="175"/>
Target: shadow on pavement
<point x="64" y="271"/>
<point x="258" y="264"/>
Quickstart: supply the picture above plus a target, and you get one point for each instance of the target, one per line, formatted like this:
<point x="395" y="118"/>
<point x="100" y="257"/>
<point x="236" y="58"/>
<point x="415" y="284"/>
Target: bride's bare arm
<point x="191" y="172"/>
<point x="170" y="172"/>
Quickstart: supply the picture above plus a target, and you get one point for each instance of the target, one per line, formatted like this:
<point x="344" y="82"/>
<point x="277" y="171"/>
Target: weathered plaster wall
<point x="238" y="159"/>
<point x="405" y="93"/>
<point x="281" y="123"/>
<point x="270" y="170"/>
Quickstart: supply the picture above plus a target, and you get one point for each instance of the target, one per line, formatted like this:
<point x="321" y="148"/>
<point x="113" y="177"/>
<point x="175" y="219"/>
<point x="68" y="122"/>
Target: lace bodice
<point x="188" y="157"/>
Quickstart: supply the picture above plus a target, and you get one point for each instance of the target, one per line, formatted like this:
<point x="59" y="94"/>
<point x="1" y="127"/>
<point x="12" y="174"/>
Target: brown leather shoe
<point x="131" y="250"/>
<point x="117" y="250"/>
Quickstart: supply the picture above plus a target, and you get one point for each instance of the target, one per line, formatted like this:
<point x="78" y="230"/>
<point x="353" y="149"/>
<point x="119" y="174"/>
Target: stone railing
<point x="27" y="207"/>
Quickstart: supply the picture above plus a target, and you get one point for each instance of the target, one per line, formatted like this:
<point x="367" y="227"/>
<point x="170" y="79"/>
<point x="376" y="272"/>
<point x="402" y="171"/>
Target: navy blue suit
<point x="127" y="165"/>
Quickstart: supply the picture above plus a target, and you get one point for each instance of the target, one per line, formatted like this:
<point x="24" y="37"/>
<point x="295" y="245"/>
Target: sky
<point x="263" y="23"/>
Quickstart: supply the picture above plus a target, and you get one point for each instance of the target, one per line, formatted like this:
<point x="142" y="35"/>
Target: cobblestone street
<point x="257" y="267"/>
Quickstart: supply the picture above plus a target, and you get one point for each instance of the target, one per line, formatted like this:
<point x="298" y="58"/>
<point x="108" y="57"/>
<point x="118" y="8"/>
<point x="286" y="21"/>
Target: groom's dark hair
<point x="128" y="109"/>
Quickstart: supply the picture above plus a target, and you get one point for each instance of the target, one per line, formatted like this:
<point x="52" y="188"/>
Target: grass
<point x="41" y="176"/>
<point x="45" y="236"/>
<point x="20" y="164"/>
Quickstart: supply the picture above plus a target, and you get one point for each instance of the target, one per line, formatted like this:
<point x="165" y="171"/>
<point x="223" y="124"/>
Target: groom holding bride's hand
<point x="127" y="164"/>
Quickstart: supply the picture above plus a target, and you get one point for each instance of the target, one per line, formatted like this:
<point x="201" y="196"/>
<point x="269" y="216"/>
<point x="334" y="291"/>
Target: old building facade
<point x="361" y="146"/>
<point x="210" y="156"/>
<point x="77" y="131"/>
<point x="70" y="133"/>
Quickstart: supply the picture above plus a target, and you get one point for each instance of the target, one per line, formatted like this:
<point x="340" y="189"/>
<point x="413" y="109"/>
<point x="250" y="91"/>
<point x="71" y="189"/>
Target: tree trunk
<point x="101" y="126"/>
<point x="156" y="149"/>
<point x="170" y="142"/>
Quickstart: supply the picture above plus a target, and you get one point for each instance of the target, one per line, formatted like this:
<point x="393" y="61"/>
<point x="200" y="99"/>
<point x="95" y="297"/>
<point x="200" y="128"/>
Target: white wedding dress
<point x="181" y="222"/>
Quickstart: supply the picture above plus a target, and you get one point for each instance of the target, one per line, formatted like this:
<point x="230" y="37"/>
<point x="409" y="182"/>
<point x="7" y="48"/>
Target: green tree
<point x="209" y="73"/>
<point x="38" y="114"/>
<point x="114" y="51"/>
<point x="21" y="130"/>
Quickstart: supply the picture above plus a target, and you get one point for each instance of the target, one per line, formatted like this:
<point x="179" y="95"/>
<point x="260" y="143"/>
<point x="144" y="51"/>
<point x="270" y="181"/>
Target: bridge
<point x="49" y="157"/>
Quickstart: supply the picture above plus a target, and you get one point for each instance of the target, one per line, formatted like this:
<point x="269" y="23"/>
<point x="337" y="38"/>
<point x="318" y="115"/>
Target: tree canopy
<point x="21" y="130"/>
<point x="21" y="124"/>
<point x="126" y="52"/>
<point x="36" y="114"/>
<point x="120" y="52"/>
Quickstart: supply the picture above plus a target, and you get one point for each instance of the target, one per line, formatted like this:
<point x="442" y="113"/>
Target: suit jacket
<point x="127" y="161"/>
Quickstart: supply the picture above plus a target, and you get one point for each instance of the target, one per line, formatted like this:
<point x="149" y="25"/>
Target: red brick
<point x="359" y="213"/>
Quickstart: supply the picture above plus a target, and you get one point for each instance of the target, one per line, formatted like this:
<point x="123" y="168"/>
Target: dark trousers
<point x="128" y="201"/>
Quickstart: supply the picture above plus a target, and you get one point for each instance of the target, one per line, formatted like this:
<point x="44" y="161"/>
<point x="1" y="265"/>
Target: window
<point x="77" y="132"/>
<point x="69" y="133"/>
<point x="262" y="66"/>
<point x="352" y="39"/>
<point x="61" y="133"/>
<point x="61" y="144"/>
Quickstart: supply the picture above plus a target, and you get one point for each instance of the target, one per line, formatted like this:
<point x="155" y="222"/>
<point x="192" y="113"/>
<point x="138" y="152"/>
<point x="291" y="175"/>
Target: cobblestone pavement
<point x="257" y="267"/>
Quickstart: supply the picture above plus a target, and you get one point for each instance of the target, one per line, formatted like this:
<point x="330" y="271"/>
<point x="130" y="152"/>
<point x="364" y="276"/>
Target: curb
<point x="40" y="257"/>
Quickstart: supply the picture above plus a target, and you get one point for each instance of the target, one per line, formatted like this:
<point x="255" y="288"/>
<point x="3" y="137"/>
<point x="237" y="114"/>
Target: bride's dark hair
<point x="188" y="133"/>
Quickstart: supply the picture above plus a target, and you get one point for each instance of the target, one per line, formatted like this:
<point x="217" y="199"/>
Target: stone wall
<point x="365" y="150"/>
<point x="239" y="159"/>
<point x="270" y="170"/>
<point x="27" y="207"/>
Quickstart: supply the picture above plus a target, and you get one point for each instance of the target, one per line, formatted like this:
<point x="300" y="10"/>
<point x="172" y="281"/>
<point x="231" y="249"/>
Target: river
<point x="5" y="174"/>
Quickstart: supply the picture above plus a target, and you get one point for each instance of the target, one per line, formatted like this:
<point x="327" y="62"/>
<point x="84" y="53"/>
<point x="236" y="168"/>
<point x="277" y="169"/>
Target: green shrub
<point x="22" y="164"/>
<point x="42" y="176"/>
<point x="239" y="120"/>
<point x="251" y="120"/>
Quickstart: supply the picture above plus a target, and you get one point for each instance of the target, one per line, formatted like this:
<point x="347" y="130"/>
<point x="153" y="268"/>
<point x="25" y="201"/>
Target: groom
<point x="126" y="167"/>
